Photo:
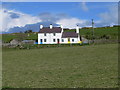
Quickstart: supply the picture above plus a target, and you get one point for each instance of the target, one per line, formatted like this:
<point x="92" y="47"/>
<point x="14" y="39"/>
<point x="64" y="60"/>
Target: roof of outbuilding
<point x="69" y="34"/>
<point x="53" y="30"/>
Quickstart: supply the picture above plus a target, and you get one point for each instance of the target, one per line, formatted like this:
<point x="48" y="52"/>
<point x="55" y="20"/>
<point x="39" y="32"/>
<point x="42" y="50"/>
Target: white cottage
<point x="56" y="35"/>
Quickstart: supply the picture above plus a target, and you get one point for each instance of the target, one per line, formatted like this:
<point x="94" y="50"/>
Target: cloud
<point x="14" y="21"/>
<point x="49" y="17"/>
<point x="108" y="18"/>
<point x="11" y="18"/>
<point x="84" y="6"/>
<point x="71" y="22"/>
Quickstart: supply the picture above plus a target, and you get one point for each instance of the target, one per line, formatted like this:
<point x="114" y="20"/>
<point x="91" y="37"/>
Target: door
<point x="58" y="41"/>
<point x="41" y="41"/>
<point x="68" y="40"/>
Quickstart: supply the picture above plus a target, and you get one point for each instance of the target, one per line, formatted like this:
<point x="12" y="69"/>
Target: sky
<point x="68" y="14"/>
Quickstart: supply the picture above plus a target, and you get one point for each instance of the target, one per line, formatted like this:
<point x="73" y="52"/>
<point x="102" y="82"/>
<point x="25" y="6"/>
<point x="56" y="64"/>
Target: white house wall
<point x="49" y="39"/>
<point x="76" y="40"/>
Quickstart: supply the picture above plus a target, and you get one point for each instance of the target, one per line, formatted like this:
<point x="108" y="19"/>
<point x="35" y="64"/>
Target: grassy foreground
<point x="92" y="66"/>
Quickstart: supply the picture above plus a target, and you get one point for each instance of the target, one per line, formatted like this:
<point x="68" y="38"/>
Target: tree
<point x="28" y="31"/>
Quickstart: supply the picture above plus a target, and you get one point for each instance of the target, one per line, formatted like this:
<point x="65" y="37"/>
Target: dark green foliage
<point x="28" y="31"/>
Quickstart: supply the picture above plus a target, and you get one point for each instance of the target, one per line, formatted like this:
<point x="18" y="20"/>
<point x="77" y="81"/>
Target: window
<point x="44" y="34"/>
<point x="62" y="40"/>
<point x="53" y="34"/>
<point x="45" y="40"/>
<point x="53" y="40"/>
<point x="72" y="40"/>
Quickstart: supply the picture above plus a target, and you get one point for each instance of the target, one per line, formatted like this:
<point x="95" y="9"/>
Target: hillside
<point x="100" y="33"/>
<point x="110" y="33"/>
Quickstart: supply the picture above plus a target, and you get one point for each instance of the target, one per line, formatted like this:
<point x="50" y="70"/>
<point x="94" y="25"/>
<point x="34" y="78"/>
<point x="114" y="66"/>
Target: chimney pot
<point x="77" y="29"/>
<point x="61" y="26"/>
<point x="41" y="26"/>
<point x="51" y="26"/>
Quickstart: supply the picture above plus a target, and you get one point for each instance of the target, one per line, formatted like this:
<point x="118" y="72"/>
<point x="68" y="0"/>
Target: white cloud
<point x="107" y="18"/>
<point x="110" y="17"/>
<point x="71" y="22"/>
<point x="7" y="22"/>
<point x="12" y="18"/>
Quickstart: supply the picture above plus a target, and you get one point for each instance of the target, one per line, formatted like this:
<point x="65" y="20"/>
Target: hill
<point x="99" y="33"/>
<point x="110" y="33"/>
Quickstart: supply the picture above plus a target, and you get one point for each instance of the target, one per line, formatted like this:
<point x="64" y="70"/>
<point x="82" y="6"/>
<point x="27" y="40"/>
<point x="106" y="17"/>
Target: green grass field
<point x="94" y="66"/>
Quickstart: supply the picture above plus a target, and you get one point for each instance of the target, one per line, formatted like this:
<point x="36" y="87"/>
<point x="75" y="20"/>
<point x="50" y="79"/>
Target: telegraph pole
<point x="93" y="30"/>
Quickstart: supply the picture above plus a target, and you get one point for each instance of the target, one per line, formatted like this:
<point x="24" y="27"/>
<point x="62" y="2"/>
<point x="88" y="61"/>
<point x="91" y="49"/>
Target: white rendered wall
<point x="76" y="40"/>
<point x="50" y="36"/>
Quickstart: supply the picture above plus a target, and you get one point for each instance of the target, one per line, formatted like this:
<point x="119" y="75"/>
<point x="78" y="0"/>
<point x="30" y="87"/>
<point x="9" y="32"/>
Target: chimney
<point x="41" y="26"/>
<point x="51" y="26"/>
<point x="61" y="26"/>
<point x="77" y="29"/>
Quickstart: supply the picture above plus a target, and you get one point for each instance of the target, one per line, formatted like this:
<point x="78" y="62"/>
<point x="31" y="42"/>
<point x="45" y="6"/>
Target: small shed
<point x="85" y="41"/>
<point x="28" y="42"/>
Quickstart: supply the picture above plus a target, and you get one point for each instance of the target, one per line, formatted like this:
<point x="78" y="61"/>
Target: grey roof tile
<point x="53" y="30"/>
<point x="69" y="34"/>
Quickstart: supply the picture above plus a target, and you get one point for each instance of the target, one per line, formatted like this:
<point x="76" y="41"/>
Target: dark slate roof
<point x="69" y="34"/>
<point x="48" y="30"/>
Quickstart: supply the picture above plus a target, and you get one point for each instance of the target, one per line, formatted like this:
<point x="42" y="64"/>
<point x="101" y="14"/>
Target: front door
<point x="58" y="41"/>
<point x="41" y="41"/>
<point x="68" y="40"/>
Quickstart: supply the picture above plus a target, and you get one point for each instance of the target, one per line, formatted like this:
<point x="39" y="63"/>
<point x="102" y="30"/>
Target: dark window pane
<point x="45" y="40"/>
<point x="72" y="40"/>
<point x="44" y="34"/>
<point x="62" y="40"/>
<point x="53" y="40"/>
<point x="54" y="34"/>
